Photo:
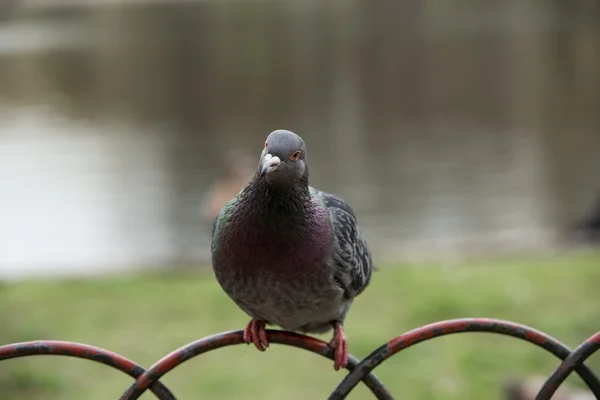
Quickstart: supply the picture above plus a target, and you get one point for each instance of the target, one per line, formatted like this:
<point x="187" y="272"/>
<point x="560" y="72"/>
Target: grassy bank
<point x="144" y="317"/>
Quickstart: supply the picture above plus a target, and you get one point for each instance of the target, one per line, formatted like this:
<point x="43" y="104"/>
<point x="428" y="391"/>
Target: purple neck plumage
<point x="276" y="228"/>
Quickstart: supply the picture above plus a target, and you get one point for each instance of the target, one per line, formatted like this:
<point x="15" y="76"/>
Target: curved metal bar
<point x="442" y="328"/>
<point x="193" y="349"/>
<point x="574" y="360"/>
<point x="84" y="351"/>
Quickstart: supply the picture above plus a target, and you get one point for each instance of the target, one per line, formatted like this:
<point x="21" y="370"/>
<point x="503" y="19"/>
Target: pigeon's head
<point x="283" y="160"/>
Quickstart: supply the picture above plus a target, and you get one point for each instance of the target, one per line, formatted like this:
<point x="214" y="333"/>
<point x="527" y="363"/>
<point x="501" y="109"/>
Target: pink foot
<point x="255" y="333"/>
<point x="340" y="345"/>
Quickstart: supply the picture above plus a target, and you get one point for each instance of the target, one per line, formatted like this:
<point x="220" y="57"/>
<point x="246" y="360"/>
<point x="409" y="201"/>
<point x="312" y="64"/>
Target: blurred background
<point x="465" y="134"/>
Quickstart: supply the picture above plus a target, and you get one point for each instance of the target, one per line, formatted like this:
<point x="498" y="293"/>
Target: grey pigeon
<point x="288" y="254"/>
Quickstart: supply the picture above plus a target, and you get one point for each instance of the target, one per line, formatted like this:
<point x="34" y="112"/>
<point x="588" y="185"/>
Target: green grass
<point x="144" y="317"/>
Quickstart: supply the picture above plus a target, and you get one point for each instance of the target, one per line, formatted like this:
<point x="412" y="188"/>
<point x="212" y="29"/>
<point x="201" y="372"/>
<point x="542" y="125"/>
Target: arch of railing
<point x="358" y="371"/>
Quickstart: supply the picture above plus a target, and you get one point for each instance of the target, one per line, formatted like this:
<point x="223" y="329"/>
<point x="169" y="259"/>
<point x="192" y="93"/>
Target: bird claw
<point x="340" y="345"/>
<point x="255" y="333"/>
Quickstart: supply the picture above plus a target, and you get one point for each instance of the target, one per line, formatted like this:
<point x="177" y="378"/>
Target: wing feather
<point x="352" y="256"/>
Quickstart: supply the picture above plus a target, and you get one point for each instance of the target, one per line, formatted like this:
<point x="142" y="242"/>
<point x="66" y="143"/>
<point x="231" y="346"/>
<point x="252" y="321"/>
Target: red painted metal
<point x="177" y="357"/>
<point x="84" y="351"/>
<point x="443" y="328"/>
<point x="149" y="379"/>
<point x="569" y="364"/>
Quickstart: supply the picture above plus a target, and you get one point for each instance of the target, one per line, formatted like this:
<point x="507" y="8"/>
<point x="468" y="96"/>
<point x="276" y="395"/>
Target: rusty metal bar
<point x="149" y="379"/>
<point x="443" y="328"/>
<point x="569" y="364"/>
<point x="86" y="352"/>
<point x="191" y="350"/>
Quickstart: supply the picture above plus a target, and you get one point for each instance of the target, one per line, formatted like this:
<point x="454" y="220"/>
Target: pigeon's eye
<point x="295" y="156"/>
<point x="265" y="144"/>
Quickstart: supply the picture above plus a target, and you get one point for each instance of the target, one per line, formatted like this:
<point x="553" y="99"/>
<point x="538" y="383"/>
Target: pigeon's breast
<point x="282" y="245"/>
<point x="281" y="269"/>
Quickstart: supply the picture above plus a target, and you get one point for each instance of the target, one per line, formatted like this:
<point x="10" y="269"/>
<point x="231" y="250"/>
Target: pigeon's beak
<point x="270" y="164"/>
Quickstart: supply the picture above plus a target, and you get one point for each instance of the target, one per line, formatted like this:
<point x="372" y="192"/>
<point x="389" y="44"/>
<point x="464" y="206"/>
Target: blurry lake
<point x="453" y="128"/>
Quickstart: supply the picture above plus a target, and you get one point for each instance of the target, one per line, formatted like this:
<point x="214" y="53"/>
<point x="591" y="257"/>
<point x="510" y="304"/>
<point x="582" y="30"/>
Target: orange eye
<point x="295" y="156"/>
<point x="265" y="144"/>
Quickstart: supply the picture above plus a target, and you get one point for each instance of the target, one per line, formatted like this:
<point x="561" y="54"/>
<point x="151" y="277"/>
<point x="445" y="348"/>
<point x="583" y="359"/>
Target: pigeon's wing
<point x="352" y="256"/>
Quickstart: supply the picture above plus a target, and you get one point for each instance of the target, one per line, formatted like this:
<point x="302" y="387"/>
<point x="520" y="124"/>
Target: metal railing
<point x="359" y="371"/>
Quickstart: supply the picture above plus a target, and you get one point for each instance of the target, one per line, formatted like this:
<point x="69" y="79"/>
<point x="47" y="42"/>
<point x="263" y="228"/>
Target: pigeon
<point x="288" y="254"/>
